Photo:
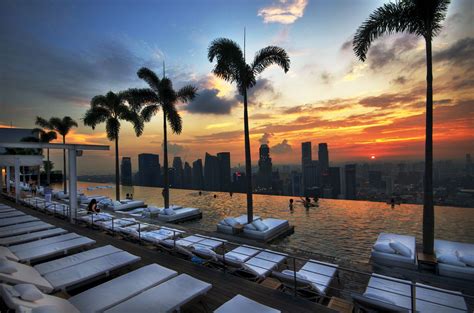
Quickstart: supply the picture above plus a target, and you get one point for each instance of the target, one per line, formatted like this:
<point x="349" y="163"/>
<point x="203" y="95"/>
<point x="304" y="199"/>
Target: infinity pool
<point x="337" y="228"/>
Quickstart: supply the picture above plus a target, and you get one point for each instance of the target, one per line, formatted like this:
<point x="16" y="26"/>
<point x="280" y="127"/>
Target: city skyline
<point x="361" y="109"/>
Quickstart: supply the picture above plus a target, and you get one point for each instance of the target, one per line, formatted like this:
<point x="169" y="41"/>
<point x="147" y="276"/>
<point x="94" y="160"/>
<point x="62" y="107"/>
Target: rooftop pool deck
<point x="340" y="229"/>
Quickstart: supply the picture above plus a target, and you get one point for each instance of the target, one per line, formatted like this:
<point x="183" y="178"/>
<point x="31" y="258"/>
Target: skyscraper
<point x="306" y="154"/>
<point x="323" y="157"/>
<point x="197" y="178"/>
<point x="188" y="175"/>
<point x="149" y="169"/>
<point x="211" y="172"/>
<point x="264" y="178"/>
<point x="178" y="172"/>
<point x="224" y="170"/>
<point x="335" y="181"/>
<point x="126" y="171"/>
<point x="350" y="181"/>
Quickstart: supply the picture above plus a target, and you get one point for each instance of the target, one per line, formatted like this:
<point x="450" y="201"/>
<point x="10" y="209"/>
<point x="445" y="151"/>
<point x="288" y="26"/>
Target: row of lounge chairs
<point x="454" y="259"/>
<point x="312" y="280"/>
<point x="152" y="288"/>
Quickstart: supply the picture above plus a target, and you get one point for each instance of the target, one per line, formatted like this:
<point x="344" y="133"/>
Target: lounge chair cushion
<point x="117" y="203"/>
<point x="378" y="297"/>
<point x="468" y="259"/>
<point x="242" y="304"/>
<point x="292" y="274"/>
<point x="47" y="309"/>
<point x="27" y="274"/>
<point x="400" y="248"/>
<point x="169" y="211"/>
<point x="450" y="259"/>
<point x="28" y="292"/>
<point x="383" y="246"/>
<point x="7" y="267"/>
<point x="250" y="227"/>
<point x="8" y="254"/>
<point x="230" y="221"/>
<point x="259" y="225"/>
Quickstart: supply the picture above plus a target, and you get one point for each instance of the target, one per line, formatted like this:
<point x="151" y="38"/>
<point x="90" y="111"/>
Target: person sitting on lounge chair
<point x="92" y="207"/>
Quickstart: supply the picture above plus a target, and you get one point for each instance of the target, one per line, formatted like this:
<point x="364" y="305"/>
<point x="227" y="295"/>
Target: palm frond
<point x="112" y="128"/>
<point x="95" y="115"/>
<point x="41" y="122"/>
<point x="186" y="93"/>
<point x="268" y="56"/>
<point x="48" y="136"/>
<point x="99" y="100"/>
<point x="150" y="77"/>
<point x="174" y="120"/>
<point x="230" y="63"/>
<point x="134" y="118"/>
<point x="137" y="97"/>
<point x="149" y="111"/>
<point x="390" y="18"/>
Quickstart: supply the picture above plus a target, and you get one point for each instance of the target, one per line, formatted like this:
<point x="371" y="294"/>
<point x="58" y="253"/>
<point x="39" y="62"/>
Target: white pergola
<point x="16" y="161"/>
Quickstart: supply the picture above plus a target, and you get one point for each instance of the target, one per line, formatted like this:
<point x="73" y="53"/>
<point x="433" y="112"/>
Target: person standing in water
<point x="290" y="205"/>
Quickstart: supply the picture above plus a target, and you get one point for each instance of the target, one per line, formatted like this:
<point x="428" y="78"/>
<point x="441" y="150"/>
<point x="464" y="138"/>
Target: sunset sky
<point x="56" y="55"/>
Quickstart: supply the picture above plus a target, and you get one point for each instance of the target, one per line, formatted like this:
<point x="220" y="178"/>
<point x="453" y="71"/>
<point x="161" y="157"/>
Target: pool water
<point x="338" y="228"/>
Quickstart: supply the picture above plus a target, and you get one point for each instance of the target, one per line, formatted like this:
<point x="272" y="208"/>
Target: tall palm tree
<point x="421" y="18"/>
<point x="161" y="95"/>
<point x="62" y="126"/>
<point x="44" y="136"/>
<point x="231" y="66"/>
<point x="110" y="109"/>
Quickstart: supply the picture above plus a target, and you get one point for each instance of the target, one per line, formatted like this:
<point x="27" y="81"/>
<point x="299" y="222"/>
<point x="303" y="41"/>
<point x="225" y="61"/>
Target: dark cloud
<point x="326" y="77"/>
<point x="207" y="102"/>
<point x="460" y="53"/>
<point x="175" y="149"/>
<point x="400" y="80"/>
<point x="347" y="45"/>
<point x="385" y="52"/>
<point x="263" y="88"/>
<point x="265" y="139"/>
<point x="282" y="147"/>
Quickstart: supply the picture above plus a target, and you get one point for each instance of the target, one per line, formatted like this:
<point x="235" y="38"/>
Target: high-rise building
<point x="307" y="167"/>
<point x="350" y="181"/>
<point x="311" y="175"/>
<point x="149" y="169"/>
<point x="264" y="177"/>
<point x="211" y="172"/>
<point x="188" y="176"/>
<point x="126" y="171"/>
<point x="178" y="172"/>
<point x="296" y="186"/>
<point x="239" y="182"/>
<point x="375" y="180"/>
<point x="306" y="153"/>
<point x="469" y="166"/>
<point x="323" y="157"/>
<point x="197" y="177"/>
<point x="224" y="170"/>
<point x="335" y="181"/>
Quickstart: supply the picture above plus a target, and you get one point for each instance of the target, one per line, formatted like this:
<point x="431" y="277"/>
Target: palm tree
<point x="421" y="18"/>
<point x="110" y="109"/>
<point x="44" y="136"/>
<point x="231" y="67"/>
<point x="161" y="94"/>
<point x="62" y="127"/>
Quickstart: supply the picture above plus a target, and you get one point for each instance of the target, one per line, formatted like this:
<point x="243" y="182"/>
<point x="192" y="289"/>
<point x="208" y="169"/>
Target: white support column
<point x="72" y="184"/>
<point x="17" y="179"/>
<point x="8" y="179"/>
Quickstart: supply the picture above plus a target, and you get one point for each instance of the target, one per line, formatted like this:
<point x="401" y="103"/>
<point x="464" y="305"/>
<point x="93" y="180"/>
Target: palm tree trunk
<point x="166" y="191"/>
<point x="64" y="166"/>
<point x="117" y="171"/>
<point x="428" y="208"/>
<point x="48" y="169"/>
<point x="248" y="161"/>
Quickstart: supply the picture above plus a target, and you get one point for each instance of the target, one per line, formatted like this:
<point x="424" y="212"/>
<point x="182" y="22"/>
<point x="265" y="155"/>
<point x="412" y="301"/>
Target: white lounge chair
<point x="16" y="220"/>
<point x="66" y="272"/>
<point x="394" y="295"/>
<point x="270" y="229"/>
<point x="169" y="296"/>
<point x="14" y="240"/>
<point x="179" y="215"/>
<point x="24" y="228"/>
<point x="49" y="247"/>
<point x="312" y="280"/>
<point x="226" y="225"/>
<point x="120" y="289"/>
<point x="239" y="304"/>
<point x="242" y="253"/>
<point x="455" y="259"/>
<point x="386" y="251"/>
<point x="164" y="233"/>
<point x="261" y="265"/>
<point x="200" y="241"/>
<point x="124" y="205"/>
<point x="11" y="214"/>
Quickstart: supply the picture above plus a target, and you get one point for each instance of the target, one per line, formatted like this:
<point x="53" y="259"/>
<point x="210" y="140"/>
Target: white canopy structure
<point x="74" y="150"/>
